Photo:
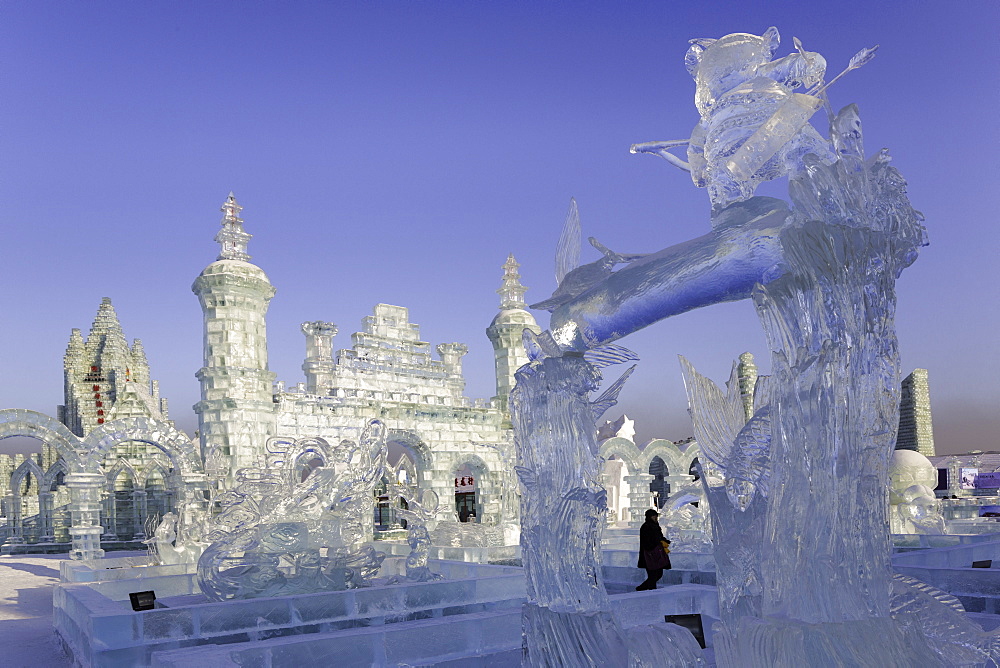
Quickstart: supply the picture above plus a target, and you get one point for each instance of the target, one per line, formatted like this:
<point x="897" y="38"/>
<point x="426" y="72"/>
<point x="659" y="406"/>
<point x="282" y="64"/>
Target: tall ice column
<point x="236" y="411"/>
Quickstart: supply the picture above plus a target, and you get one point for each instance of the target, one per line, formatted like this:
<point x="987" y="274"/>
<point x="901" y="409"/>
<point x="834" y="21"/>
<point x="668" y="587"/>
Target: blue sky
<point x="397" y="152"/>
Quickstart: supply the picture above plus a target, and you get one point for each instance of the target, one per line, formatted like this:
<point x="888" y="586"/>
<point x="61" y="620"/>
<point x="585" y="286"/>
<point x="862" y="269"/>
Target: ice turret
<point x="232" y="237"/>
<point x="506" y="330"/>
<point x="235" y="413"/>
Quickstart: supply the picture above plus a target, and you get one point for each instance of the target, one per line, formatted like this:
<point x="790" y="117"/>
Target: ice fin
<point x="568" y="250"/>
<point x="608" y="355"/>
<point x="750" y="459"/>
<point x="528" y="478"/>
<point x="610" y="396"/>
<point x="540" y="346"/>
<point x="716" y="419"/>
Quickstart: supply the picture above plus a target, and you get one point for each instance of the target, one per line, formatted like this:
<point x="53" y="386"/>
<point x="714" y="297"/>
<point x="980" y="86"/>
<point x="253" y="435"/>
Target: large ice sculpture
<point x="567" y="619"/>
<point x="297" y="524"/>
<point x="798" y="484"/>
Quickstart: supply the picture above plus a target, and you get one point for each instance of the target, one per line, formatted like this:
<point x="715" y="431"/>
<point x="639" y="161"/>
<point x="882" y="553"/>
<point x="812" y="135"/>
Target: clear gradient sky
<point x="397" y="152"/>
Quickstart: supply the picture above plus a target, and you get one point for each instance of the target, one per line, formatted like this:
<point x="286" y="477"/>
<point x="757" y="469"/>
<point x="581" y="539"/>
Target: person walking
<point x="653" y="548"/>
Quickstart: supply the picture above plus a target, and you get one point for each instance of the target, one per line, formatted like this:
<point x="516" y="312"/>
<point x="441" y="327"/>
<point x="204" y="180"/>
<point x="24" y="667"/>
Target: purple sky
<point x="397" y="152"/>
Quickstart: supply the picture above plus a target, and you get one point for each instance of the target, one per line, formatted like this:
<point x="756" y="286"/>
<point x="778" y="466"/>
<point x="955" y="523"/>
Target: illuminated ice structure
<point x="798" y="486"/>
<point x="913" y="507"/>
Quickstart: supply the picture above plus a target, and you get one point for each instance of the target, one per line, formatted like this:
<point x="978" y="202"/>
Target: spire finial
<point x="232" y="238"/>
<point x="511" y="291"/>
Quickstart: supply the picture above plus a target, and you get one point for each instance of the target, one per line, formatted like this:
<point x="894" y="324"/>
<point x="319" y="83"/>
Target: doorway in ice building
<point x="398" y="477"/>
<point x="659" y="486"/>
<point x="466" y="496"/>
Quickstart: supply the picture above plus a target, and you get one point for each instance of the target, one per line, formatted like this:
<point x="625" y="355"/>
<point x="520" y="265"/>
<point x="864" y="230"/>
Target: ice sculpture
<point x="178" y="539"/>
<point x="298" y="524"/>
<point x="736" y="490"/>
<point x="798" y="485"/>
<point x="420" y="510"/>
<point x="567" y="619"/>
<point x="509" y="527"/>
<point x="913" y="506"/>
<point x="685" y="524"/>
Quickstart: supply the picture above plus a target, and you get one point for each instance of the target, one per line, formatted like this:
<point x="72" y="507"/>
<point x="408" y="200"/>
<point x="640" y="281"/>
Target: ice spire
<point x="106" y="336"/>
<point x="232" y="238"/>
<point x="511" y="291"/>
<point x="747" y="375"/>
<point x="74" y="350"/>
<point x="139" y="371"/>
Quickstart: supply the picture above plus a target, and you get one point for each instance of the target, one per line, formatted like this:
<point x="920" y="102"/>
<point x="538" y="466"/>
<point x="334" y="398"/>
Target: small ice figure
<point x="687" y="520"/>
<point x="753" y="126"/>
<point x="177" y="538"/>
<point x="420" y="512"/>
<point x="913" y="506"/>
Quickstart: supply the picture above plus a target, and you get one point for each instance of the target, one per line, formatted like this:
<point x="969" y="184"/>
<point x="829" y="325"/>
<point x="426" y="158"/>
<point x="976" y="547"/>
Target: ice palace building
<point x="438" y="437"/>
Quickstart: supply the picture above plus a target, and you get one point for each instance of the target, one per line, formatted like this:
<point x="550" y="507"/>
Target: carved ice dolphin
<point x="585" y="276"/>
<point x="743" y="249"/>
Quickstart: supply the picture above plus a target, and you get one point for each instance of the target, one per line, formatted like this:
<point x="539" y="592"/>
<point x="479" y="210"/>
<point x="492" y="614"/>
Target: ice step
<point x="421" y="642"/>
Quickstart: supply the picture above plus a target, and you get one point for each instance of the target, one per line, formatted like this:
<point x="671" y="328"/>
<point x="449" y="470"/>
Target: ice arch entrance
<point x="400" y="474"/>
<point x="81" y="470"/>
<point x="33" y="493"/>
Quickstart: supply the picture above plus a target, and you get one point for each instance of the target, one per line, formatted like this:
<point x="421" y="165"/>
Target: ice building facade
<point x="105" y="379"/>
<point x="113" y="440"/>
<point x="388" y="373"/>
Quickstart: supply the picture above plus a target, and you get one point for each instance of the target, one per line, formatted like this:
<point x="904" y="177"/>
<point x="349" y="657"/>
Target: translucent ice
<point x="294" y="526"/>
<point x="420" y="509"/>
<point x="797" y="480"/>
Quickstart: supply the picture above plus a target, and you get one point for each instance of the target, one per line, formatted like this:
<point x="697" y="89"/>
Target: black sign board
<point x="692" y="623"/>
<point x="985" y="563"/>
<point x="143" y="600"/>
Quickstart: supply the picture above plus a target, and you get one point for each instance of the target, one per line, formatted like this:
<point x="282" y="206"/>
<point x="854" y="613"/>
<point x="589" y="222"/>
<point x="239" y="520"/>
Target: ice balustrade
<point x="300" y="522"/>
<point x="799" y="485"/>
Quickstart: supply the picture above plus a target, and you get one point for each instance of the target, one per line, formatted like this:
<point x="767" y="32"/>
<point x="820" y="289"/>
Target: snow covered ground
<point x="26" y="636"/>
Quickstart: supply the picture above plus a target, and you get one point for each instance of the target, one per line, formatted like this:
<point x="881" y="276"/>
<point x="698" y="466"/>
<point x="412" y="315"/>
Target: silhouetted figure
<point x="650" y="538"/>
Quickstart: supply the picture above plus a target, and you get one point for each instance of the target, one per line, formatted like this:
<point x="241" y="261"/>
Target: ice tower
<point x="236" y="412"/>
<point x="505" y="331"/>
<point x="102" y="372"/>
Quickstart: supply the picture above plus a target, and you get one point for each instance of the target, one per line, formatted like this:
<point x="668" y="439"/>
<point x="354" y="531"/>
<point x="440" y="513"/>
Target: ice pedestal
<point x="85" y="511"/>
<point x="567" y="619"/>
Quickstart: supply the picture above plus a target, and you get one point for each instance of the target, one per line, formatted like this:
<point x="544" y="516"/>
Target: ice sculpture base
<point x="874" y="643"/>
<point x="97" y="626"/>
<point x="504" y="555"/>
<point x="130" y="567"/>
<point x="474" y="615"/>
<point x="575" y="638"/>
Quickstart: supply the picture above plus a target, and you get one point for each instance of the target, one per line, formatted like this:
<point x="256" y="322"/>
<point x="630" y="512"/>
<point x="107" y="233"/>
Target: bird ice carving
<point x="575" y="279"/>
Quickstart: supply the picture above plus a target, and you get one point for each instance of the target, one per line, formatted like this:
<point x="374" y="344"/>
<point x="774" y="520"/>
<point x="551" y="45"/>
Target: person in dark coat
<point x="650" y="537"/>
